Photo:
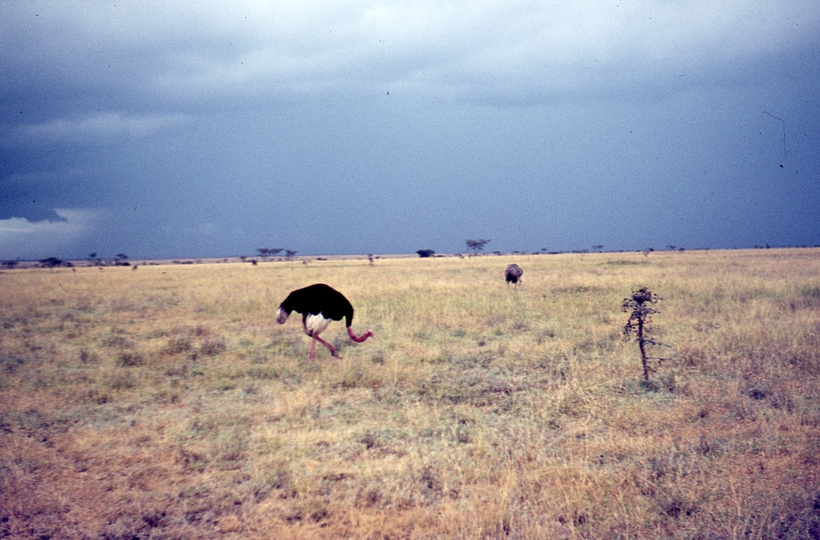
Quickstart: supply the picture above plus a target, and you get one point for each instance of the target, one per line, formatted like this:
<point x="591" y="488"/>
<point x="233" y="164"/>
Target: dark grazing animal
<point x="513" y="274"/>
<point x="319" y="305"/>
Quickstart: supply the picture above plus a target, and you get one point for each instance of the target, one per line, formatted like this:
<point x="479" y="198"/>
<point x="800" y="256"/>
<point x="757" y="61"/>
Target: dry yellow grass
<point x="167" y="403"/>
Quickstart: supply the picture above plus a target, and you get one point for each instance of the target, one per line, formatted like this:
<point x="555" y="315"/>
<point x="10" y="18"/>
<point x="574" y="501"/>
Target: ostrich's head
<point x="282" y="315"/>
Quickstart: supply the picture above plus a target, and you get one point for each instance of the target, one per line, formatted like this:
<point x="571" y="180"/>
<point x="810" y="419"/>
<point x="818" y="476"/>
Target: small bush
<point x="129" y="359"/>
<point x="176" y="345"/>
<point x="213" y="347"/>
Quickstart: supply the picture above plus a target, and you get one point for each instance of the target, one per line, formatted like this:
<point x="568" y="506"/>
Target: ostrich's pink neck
<point x="358" y="339"/>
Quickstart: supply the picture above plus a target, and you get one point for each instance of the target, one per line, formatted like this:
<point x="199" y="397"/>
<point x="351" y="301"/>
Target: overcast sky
<point x="207" y="128"/>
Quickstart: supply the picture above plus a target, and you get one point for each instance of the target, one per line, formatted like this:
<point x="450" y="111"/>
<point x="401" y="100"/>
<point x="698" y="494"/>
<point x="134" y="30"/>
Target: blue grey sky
<point x="207" y="129"/>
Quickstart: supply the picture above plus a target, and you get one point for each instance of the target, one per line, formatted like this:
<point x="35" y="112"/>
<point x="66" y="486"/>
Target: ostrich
<point x="319" y="305"/>
<point x="513" y="274"/>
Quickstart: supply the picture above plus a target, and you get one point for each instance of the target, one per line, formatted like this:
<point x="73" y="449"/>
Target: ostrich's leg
<point x="330" y="347"/>
<point x="312" y="348"/>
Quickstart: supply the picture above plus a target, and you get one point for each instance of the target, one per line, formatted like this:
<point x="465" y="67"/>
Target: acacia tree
<point x="641" y="312"/>
<point x="268" y="252"/>
<point x="477" y="245"/>
<point x="52" y="262"/>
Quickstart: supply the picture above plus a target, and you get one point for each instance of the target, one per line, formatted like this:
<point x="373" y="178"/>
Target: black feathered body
<point x="513" y="274"/>
<point x="314" y="301"/>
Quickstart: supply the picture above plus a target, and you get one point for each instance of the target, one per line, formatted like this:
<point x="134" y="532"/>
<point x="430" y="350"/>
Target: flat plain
<point x="165" y="402"/>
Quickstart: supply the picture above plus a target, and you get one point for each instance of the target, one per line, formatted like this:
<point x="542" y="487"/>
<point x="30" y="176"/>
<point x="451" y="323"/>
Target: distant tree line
<point x="54" y="262"/>
<point x="121" y="259"/>
<point x="267" y="253"/>
<point x="477" y="246"/>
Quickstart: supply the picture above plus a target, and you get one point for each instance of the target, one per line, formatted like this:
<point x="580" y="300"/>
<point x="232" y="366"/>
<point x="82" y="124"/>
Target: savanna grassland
<point x="167" y="403"/>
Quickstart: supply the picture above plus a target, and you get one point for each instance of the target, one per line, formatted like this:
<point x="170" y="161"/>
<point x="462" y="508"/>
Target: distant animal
<point x="319" y="305"/>
<point x="513" y="274"/>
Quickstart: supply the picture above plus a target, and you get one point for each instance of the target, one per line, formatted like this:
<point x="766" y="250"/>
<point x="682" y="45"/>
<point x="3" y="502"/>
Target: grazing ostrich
<point x="513" y="274"/>
<point x="319" y="304"/>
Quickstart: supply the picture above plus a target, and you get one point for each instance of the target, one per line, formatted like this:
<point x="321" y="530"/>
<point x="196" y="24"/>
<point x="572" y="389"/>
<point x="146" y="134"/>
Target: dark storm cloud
<point x="206" y="128"/>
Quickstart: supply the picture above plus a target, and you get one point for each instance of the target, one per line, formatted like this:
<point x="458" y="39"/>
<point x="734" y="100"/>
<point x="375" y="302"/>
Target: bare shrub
<point x="640" y="314"/>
